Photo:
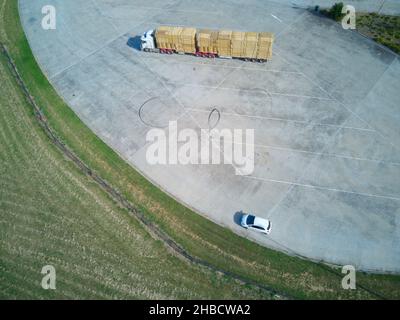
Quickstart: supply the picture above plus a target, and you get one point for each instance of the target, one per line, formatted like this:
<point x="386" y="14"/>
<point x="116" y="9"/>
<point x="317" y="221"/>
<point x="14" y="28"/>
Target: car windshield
<point x="250" y="220"/>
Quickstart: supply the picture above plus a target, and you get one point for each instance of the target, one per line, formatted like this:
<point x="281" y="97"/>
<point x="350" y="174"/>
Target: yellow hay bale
<point x="251" y="45"/>
<point x="265" y="42"/>
<point x="224" y="45"/>
<point x="265" y="38"/>
<point x="188" y="40"/>
<point x="162" y="37"/>
<point x="238" y="44"/>
<point x="175" y="38"/>
<point x="207" y="41"/>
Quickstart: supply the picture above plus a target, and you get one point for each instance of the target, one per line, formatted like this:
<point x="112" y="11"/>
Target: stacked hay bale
<point x="188" y="40"/>
<point x="251" y="45"/>
<point x="168" y="37"/>
<point x="238" y="44"/>
<point x="207" y="41"/>
<point x="175" y="37"/>
<point x="265" y="41"/>
<point x="164" y="38"/>
<point x="224" y="43"/>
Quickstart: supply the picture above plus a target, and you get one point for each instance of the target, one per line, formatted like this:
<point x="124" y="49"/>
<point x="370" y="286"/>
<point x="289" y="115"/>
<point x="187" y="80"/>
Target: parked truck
<point x="250" y="46"/>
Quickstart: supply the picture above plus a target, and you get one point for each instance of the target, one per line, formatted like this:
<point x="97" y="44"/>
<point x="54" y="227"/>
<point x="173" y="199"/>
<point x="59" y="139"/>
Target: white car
<point x="251" y="222"/>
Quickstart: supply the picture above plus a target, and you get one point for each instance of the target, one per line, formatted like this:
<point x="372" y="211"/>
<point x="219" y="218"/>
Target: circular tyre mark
<point x="214" y="118"/>
<point x="155" y="113"/>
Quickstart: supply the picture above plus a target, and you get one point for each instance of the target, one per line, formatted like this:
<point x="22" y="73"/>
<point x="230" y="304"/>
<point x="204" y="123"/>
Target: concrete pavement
<point x="325" y="112"/>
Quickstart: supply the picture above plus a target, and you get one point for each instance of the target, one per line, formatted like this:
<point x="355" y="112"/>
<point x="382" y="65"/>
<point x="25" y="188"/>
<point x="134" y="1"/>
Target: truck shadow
<point x="134" y="43"/>
<point x="237" y="217"/>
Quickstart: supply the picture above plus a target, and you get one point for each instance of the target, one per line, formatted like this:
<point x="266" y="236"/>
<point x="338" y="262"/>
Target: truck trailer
<point x="249" y="46"/>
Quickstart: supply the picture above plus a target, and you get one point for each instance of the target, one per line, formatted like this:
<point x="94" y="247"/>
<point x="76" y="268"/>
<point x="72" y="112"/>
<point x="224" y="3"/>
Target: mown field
<point x="50" y="213"/>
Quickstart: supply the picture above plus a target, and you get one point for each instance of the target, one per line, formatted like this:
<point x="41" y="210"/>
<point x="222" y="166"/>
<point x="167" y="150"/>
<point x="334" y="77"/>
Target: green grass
<point x="383" y="29"/>
<point x="202" y="238"/>
<point x="335" y="12"/>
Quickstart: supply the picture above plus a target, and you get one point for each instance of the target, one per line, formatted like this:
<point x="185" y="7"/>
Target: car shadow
<point x="237" y="217"/>
<point x="134" y="43"/>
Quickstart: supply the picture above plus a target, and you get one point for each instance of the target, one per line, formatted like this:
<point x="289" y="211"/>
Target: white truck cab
<point x="147" y="41"/>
